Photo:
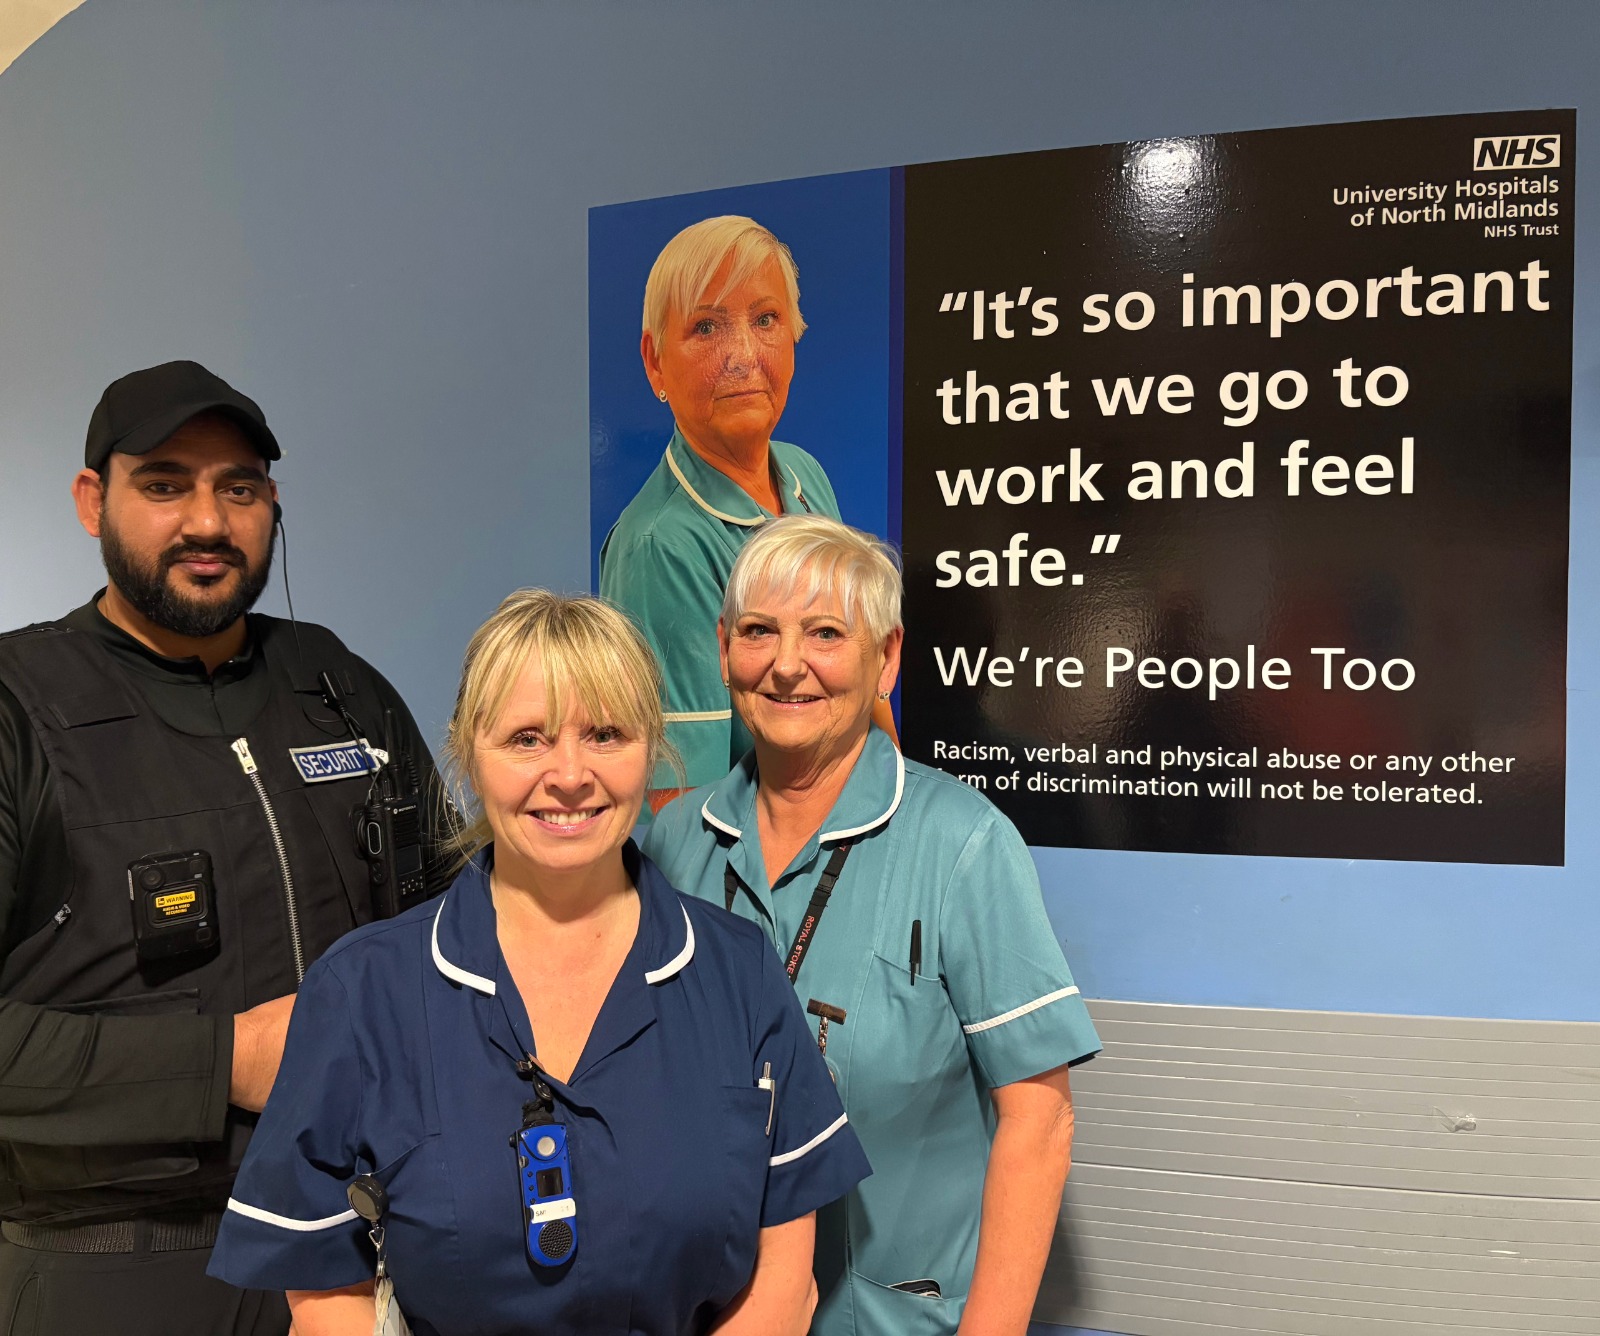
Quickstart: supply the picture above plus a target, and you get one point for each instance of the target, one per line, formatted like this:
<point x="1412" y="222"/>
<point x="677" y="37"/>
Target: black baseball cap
<point x="144" y="408"/>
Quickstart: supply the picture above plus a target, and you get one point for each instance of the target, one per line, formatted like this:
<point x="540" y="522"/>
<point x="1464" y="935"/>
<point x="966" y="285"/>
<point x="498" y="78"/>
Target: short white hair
<point x="680" y="279"/>
<point x="808" y="554"/>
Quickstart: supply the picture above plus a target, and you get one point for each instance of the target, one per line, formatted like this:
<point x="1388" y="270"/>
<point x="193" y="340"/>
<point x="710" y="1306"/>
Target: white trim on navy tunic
<point x="791" y="1155"/>
<point x="484" y="986"/>
<point x="289" y="1222"/>
<point x="678" y="961"/>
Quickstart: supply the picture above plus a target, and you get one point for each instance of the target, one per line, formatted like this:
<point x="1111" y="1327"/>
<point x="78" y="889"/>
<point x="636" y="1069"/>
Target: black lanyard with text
<point x="819" y="901"/>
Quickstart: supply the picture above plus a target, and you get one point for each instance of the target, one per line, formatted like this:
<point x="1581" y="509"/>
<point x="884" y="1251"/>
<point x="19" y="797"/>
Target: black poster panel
<point x="1236" y="476"/>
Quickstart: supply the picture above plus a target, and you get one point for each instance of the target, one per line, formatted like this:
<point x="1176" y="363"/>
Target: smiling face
<point x="802" y="678"/>
<point x="186" y="529"/>
<point x="558" y="798"/>
<point x="725" y="366"/>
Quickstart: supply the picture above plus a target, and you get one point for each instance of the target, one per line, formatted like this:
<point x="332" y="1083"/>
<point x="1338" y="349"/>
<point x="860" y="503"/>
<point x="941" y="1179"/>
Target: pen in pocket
<point x="916" y="949"/>
<point x="771" y="1087"/>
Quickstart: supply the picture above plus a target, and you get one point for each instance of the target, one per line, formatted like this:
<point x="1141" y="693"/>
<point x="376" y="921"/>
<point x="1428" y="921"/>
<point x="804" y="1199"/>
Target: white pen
<point x="771" y="1087"/>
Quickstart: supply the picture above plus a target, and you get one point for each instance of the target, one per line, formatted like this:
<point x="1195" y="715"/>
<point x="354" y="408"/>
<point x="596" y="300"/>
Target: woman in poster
<point x="943" y="1004"/>
<point x="593" y="1103"/>
<point x="721" y="321"/>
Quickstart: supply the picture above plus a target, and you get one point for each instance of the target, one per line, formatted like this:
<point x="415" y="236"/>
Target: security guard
<point x="179" y="790"/>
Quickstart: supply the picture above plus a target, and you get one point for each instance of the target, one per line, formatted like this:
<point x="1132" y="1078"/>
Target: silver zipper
<point x="247" y="763"/>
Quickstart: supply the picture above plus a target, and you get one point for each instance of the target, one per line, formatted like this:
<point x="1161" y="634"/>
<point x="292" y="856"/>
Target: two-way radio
<point x="388" y="824"/>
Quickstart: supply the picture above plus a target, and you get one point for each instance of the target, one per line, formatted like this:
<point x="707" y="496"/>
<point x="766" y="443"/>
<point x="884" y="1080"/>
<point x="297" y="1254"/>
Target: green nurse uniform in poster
<point x="666" y="561"/>
<point x="915" y="1059"/>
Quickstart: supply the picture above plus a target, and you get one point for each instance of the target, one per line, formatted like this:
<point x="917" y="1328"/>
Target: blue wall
<point x="374" y="217"/>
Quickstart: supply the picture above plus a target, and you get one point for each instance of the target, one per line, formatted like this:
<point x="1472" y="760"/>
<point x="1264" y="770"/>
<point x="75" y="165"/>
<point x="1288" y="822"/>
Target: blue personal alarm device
<point x="549" y="1210"/>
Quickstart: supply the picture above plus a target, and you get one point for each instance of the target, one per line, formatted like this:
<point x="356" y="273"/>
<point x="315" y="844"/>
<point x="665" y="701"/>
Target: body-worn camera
<point x="174" y="904"/>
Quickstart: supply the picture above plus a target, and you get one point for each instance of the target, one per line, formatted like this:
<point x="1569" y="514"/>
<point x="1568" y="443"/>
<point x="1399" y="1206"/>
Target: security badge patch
<point x="337" y="760"/>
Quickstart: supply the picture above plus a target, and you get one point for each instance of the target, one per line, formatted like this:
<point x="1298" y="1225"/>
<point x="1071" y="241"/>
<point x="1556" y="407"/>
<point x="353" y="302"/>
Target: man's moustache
<point x="221" y="551"/>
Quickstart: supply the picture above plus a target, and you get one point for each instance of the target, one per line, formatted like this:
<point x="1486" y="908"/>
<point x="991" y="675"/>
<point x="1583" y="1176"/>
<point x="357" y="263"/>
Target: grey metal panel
<point x="1576" y="1051"/>
<point x="1284" y="1238"/>
<point x="1545" y="1220"/>
<point x="1108" y="1012"/>
<point x="1504" y="1273"/>
<point x="1494" y="1119"/>
<point x="1357" y="1282"/>
<point x="1330" y="1174"/>
<point x="1113" y="1079"/>
<point x="1295" y="1069"/>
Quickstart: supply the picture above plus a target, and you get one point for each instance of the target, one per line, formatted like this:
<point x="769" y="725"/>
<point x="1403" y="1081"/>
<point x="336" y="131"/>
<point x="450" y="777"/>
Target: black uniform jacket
<point x="114" y="1073"/>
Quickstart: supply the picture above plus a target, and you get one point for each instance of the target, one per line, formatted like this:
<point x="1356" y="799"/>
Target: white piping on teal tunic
<point x="830" y="836"/>
<point x="666" y="561"/>
<point x="992" y="1003"/>
<point x="761" y="516"/>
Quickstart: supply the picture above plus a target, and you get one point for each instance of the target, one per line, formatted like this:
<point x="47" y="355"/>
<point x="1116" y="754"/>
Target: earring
<point x="661" y="395"/>
<point x="725" y="684"/>
<point x="883" y="695"/>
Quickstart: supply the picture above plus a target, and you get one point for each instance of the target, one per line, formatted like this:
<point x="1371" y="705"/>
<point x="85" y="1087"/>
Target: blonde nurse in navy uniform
<point x="560" y="992"/>
<point x="907" y="912"/>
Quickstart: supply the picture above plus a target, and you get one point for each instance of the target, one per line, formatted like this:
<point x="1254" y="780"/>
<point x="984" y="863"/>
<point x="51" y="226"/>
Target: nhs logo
<point x="1507" y="153"/>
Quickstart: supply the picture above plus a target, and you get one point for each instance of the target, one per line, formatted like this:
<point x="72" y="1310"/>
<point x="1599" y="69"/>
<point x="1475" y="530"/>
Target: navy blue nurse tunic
<point x="401" y="1061"/>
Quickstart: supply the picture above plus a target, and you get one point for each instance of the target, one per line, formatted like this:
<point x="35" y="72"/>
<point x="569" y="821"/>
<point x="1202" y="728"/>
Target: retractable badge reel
<point x="544" y="1175"/>
<point x="370" y="1201"/>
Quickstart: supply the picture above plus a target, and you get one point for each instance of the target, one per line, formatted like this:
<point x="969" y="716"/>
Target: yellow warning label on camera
<point x="175" y="902"/>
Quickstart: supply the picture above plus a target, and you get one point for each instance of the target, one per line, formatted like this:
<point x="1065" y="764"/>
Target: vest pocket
<point x="68" y="1168"/>
<point x="169" y="1002"/>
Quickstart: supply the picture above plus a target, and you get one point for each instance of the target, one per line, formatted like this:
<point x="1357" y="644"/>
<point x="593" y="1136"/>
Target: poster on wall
<point x="1231" y="472"/>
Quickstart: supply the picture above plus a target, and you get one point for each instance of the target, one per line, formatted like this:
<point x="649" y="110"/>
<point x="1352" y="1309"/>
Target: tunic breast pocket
<point x="907" y="1041"/>
<point x="746" y="1148"/>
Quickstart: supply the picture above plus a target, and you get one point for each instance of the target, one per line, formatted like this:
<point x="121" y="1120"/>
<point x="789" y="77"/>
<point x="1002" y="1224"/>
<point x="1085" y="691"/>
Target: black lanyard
<point x="807" y="930"/>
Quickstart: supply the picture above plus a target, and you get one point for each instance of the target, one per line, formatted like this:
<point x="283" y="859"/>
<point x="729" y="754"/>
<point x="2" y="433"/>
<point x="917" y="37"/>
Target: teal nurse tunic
<point x="666" y="561"/>
<point x="992" y="1002"/>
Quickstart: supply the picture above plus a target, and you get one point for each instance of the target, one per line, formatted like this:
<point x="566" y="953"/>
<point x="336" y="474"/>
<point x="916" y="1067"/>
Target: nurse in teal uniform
<point x="721" y="320"/>
<point x="907" y="912"/>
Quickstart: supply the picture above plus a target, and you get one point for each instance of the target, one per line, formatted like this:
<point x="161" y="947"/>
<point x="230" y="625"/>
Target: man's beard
<point x="149" y="586"/>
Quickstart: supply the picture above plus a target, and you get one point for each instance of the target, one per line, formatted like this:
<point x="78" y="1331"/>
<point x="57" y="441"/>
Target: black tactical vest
<point x="284" y="861"/>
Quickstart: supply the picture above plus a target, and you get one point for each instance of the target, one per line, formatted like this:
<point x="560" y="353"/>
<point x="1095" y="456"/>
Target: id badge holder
<point x="544" y="1176"/>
